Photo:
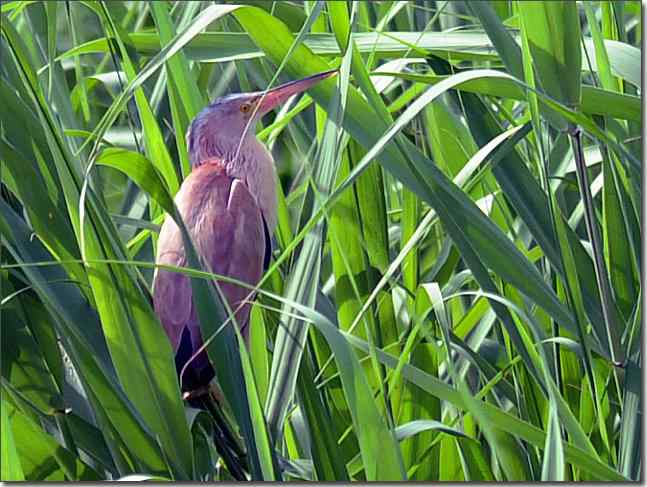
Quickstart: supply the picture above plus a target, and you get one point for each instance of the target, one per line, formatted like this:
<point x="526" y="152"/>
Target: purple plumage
<point x="228" y="204"/>
<point x="227" y="228"/>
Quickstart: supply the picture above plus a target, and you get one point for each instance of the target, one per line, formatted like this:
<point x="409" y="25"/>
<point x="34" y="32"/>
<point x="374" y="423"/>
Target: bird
<point x="228" y="204"/>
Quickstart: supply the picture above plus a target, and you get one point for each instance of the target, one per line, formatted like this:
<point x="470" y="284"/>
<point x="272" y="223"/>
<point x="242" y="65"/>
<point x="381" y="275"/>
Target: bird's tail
<point x="201" y="392"/>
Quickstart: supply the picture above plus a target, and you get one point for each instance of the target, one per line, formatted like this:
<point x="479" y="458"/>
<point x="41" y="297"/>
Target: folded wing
<point x="227" y="229"/>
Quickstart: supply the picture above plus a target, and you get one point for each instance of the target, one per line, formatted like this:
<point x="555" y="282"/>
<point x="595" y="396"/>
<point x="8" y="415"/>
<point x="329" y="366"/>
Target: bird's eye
<point x="245" y="107"/>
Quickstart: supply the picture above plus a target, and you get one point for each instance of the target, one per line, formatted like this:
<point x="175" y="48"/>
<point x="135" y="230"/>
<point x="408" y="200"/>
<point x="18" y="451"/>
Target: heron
<point x="228" y="204"/>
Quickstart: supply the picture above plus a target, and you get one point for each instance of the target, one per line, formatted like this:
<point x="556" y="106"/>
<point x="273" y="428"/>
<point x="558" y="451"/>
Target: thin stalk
<point x="601" y="274"/>
<point x="129" y="115"/>
<point x="545" y="184"/>
<point x="224" y="441"/>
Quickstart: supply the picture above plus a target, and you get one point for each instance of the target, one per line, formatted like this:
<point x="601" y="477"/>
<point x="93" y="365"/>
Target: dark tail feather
<point x="198" y="373"/>
<point x="195" y="380"/>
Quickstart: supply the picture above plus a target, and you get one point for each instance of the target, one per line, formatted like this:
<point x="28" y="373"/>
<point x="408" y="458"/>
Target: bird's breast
<point x="251" y="163"/>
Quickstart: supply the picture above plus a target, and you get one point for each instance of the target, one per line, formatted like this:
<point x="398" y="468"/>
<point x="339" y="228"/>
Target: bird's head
<point x="218" y="129"/>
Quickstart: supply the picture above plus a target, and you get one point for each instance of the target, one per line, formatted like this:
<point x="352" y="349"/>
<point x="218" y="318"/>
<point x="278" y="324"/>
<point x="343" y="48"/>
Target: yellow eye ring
<point x="245" y="107"/>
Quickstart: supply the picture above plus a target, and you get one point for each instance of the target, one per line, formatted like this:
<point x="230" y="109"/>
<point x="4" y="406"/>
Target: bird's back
<point x="227" y="229"/>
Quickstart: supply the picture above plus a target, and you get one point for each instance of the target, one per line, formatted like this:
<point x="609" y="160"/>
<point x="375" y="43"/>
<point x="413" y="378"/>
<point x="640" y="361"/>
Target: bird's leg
<point x="195" y="393"/>
<point x="211" y="389"/>
<point x="210" y="398"/>
<point x="212" y="402"/>
<point x="222" y="439"/>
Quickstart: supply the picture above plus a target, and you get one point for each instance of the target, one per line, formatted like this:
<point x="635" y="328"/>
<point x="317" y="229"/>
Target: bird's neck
<point x="204" y="145"/>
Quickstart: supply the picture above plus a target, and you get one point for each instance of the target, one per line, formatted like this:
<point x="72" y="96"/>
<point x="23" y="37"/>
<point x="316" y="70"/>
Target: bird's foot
<point x="212" y="388"/>
<point x="195" y="393"/>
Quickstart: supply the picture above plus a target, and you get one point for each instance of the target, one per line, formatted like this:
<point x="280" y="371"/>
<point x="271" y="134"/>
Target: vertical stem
<point x="601" y="274"/>
<point x="545" y="185"/>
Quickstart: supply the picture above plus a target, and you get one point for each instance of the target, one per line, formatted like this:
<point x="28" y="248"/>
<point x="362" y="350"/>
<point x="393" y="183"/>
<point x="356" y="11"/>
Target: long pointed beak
<point x="280" y="94"/>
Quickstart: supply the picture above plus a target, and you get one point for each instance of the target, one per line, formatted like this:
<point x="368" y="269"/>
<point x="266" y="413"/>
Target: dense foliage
<point x="454" y="292"/>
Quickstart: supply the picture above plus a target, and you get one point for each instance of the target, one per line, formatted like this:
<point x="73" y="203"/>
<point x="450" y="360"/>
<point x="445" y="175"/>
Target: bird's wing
<point x="172" y="290"/>
<point x="234" y="245"/>
<point x="227" y="228"/>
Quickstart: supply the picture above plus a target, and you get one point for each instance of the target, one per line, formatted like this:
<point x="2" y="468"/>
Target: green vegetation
<point x="455" y="287"/>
